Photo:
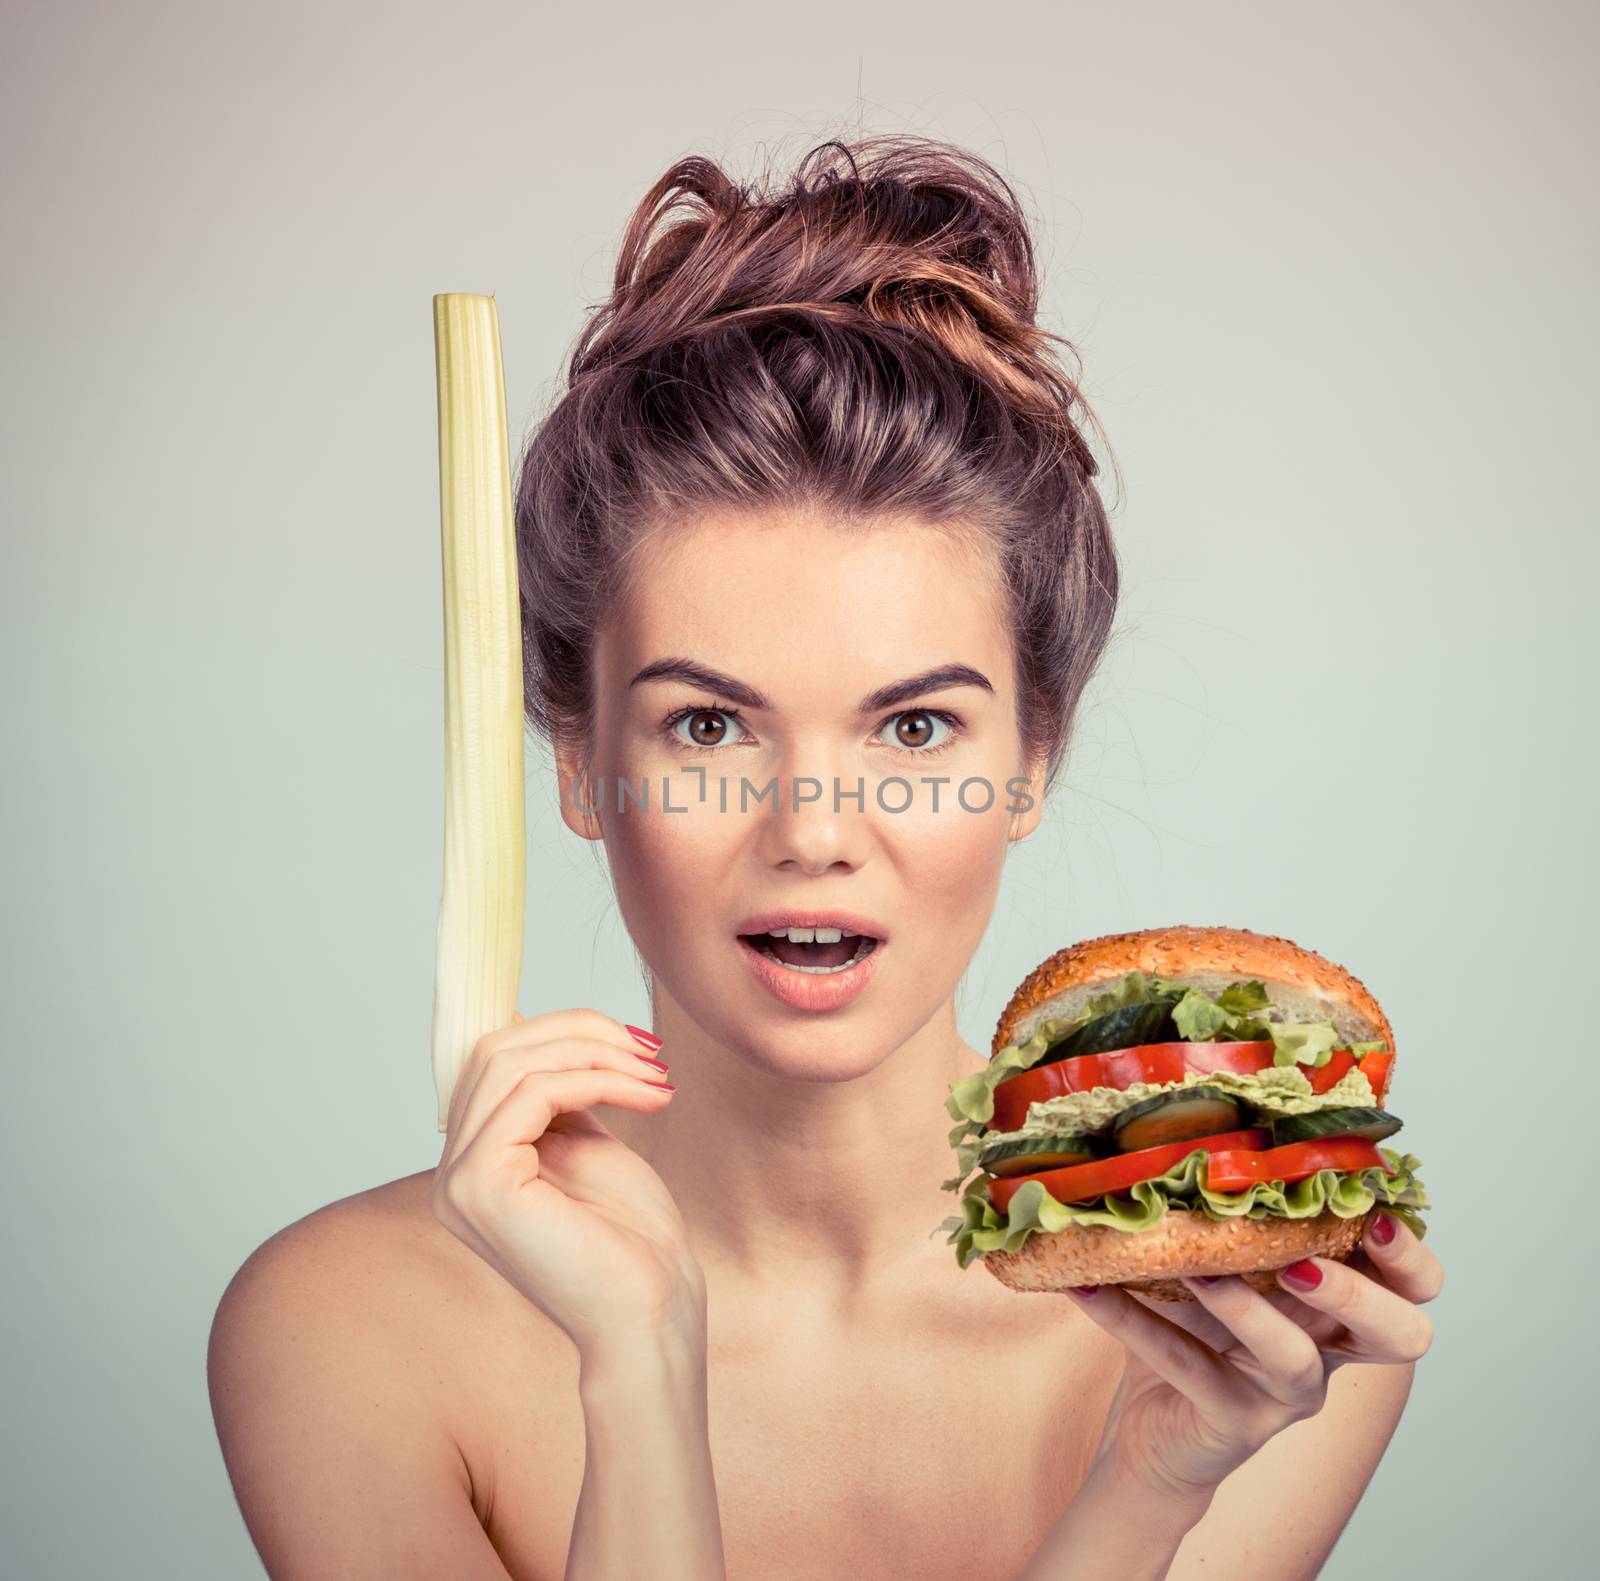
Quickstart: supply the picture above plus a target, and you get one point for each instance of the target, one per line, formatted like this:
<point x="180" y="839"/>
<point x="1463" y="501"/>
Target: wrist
<point x="1116" y="1529"/>
<point x="1171" y="1510"/>
<point x="645" y="1419"/>
<point x="672" y="1356"/>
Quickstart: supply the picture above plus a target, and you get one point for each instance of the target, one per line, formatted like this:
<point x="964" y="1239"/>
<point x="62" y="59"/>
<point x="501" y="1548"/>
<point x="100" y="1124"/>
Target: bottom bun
<point x="1186" y="1241"/>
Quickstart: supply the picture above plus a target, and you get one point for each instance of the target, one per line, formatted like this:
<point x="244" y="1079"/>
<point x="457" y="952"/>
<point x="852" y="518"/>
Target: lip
<point x="809" y="990"/>
<point x="765" y="921"/>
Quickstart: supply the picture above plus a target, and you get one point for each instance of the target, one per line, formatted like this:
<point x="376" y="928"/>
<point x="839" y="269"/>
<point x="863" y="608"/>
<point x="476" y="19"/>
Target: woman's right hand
<point x="544" y="1193"/>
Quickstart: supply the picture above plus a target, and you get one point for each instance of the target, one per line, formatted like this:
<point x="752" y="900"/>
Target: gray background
<point x="1331" y="271"/>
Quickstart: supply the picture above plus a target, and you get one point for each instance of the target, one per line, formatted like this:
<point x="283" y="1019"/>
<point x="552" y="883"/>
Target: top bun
<point x="1298" y="981"/>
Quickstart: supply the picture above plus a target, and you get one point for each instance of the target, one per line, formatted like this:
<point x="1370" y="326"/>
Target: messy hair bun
<point x="862" y="341"/>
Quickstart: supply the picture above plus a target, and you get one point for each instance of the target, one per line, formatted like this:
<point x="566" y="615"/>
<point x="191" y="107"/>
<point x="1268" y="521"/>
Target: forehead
<point x="759" y="595"/>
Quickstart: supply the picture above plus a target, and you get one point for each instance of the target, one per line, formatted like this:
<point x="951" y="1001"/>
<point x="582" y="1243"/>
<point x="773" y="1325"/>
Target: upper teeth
<point x="811" y="935"/>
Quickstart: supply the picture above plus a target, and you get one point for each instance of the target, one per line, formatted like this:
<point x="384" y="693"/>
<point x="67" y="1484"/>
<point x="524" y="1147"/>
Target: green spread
<point x="1277" y="1090"/>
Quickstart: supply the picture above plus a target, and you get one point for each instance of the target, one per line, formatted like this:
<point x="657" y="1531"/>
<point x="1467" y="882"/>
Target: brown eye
<point x="706" y="727"/>
<point x="914" y="730"/>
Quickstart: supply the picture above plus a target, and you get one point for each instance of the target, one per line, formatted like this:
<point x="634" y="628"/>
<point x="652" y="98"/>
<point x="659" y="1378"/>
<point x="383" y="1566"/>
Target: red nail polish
<point x="645" y="1058"/>
<point x="649" y="1039"/>
<point x="665" y="1085"/>
<point x="1383" y="1229"/>
<point x="1303" y="1273"/>
<point x="1082" y="1290"/>
<point x="1206" y="1279"/>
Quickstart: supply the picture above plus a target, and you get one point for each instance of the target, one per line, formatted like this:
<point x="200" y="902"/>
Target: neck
<point x="773" y="1172"/>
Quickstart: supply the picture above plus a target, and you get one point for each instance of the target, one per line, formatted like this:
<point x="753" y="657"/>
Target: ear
<point x="1024" y="823"/>
<point x="576" y="787"/>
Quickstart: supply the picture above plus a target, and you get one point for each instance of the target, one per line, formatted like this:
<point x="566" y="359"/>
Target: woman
<point x="814" y="527"/>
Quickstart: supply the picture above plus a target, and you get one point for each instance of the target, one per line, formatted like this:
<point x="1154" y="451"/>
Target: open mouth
<point x="820" y="957"/>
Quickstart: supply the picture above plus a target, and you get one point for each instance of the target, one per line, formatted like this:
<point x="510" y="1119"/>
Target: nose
<point x="819" y="822"/>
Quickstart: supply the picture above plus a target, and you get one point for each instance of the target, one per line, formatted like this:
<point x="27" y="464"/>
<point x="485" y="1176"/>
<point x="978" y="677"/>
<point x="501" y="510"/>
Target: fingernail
<point x="1303" y="1273"/>
<point x="1205" y="1279"/>
<point x="649" y="1039"/>
<point x="648" y="1061"/>
<point x="1082" y="1290"/>
<point x="1383" y="1229"/>
<point x="665" y="1085"/>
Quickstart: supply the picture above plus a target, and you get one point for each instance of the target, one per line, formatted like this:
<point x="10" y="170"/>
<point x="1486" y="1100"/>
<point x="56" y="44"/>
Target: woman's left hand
<point x="1208" y="1383"/>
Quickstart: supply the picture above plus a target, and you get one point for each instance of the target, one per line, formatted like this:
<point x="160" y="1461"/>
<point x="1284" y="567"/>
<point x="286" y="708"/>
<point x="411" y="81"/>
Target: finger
<point x="1323" y="1328"/>
<point x="1193" y="1316"/>
<point x="1403" y="1262"/>
<point x="504" y="1069"/>
<point x="1188" y="1364"/>
<point x="1275" y="1352"/>
<point x="507" y="1064"/>
<point x="505" y="1139"/>
<point x="577" y="1022"/>
<point x="1190" y="1316"/>
<point x="1383" y="1324"/>
<point x="580" y="1021"/>
<point x="464" y="1082"/>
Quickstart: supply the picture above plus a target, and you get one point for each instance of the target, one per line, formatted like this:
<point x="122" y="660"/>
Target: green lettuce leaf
<point x="971" y="1099"/>
<point x="981" y="1228"/>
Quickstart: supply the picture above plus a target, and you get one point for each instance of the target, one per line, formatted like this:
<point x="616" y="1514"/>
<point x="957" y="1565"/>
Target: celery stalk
<point x="478" y="959"/>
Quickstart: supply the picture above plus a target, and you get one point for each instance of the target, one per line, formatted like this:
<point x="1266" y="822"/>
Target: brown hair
<point x="861" y="342"/>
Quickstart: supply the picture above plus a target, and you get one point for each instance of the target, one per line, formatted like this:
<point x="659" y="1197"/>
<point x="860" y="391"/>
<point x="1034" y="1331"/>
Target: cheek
<point x="951" y="860"/>
<point x="667" y="867"/>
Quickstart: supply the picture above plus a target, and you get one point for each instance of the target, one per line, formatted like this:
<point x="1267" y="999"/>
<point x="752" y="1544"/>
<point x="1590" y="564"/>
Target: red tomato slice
<point x="1077" y="1181"/>
<point x="1322" y="1077"/>
<point x="1121" y="1068"/>
<point x="1377" y="1069"/>
<point x="1160" y="1063"/>
<point x="1233" y="1171"/>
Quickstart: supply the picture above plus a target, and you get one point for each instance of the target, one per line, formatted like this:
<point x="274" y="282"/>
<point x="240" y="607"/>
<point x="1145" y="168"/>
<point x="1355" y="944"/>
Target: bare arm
<point x="648" y="1505"/>
<point x="581" y="1225"/>
<point x="1258" y="1521"/>
<point x="1237" y="1432"/>
<point x="1262" y="1521"/>
<point x="341" y="1467"/>
<point x="1115" y="1531"/>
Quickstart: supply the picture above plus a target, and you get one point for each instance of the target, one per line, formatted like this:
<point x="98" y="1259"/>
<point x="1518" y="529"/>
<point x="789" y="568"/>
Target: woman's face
<point x="804" y="620"/>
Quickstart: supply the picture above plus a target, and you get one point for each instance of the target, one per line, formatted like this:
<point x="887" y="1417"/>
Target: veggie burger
<point x="1177" y="1101"/>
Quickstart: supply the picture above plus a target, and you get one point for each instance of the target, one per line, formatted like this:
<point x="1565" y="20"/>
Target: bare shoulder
<point x="324" y="1371"/>
<point x="330" y="1265"/>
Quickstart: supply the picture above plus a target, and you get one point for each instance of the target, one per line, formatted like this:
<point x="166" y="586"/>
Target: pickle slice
<point x="1124" y="1028"/>
<point x="1177" y="1117"/>
<point x="1374" y="1124"/>
<point x="1022" y="1155"/>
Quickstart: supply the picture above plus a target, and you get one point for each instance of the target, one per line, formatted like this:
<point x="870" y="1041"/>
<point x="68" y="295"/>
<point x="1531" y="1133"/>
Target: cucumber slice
<point x="1125" y="1028"/>
<point x="1374" y="1124"/>
<point x="1024" y="1154"/>
<point x="1177" y="1117"/>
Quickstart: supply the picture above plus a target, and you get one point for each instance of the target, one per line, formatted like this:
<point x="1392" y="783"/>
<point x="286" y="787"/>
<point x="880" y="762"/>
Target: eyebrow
<point x="889" y="696"/>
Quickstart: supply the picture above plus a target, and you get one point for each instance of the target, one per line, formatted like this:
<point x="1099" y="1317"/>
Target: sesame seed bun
<point x="1298" y="981"/>
<point x="1301" y="983"/>
<point x="1149" y="1261"/>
